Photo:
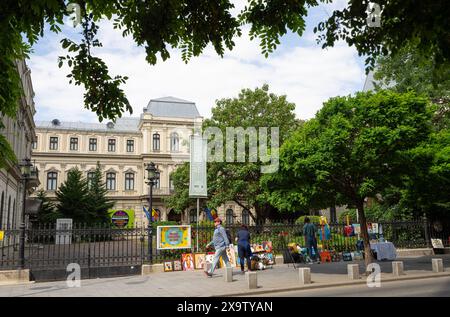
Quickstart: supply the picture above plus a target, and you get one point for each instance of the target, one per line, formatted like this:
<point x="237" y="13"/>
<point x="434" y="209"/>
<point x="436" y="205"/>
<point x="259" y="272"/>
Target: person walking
<point x="244" y="250"/>
<point x="220" y="242"/>
<point x="310" y="234"/>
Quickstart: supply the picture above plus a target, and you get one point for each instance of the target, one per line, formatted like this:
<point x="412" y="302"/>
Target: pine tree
<point x="73" y="197"/>
<point x="47" y="212"/>
<point x="99" y="204"/>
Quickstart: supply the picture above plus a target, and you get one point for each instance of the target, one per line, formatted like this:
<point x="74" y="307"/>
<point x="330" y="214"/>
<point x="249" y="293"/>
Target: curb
<point x="320" y="286"/>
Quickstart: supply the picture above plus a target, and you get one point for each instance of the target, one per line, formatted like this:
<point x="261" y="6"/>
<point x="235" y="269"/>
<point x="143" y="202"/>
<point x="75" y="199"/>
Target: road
<point x="430" y="287"/>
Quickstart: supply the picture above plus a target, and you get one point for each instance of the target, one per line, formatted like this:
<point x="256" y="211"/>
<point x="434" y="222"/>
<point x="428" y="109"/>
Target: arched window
<point x="111" y="181"/>
<point x="129" y="181"/>
<point x="52" y="178"/>
<point x="193" y="216"/>
<point x="9" y="212"/>
<point x="156" y="142"/>
<point x="245" y="217"/>
<point x="174" y="142"/>
<point x="229" y="216"/>
<point x="1" y="209"/>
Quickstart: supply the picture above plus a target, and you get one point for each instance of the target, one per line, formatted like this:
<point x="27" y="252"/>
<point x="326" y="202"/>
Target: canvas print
<point x="168" y="266"/>
<point x="200" y="260"/>
<point x="267" y="246"/>
<point x="177" y="265"/>
<point x="231" y="257"/>
<point x="187" y="260"/>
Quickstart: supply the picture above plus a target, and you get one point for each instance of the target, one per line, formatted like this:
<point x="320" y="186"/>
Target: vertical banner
<point x="197" y="179"/>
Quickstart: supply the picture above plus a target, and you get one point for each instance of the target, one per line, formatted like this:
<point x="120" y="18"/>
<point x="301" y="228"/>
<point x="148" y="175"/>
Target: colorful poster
<point x="357" y="228"/>
<point x="2" y="234"/>
<point x="173" y="237"/>
<point x="123" y="219"/>
<point x="231" y="257"/>
<point x="187" y="261"/>
<point x="374" y="227"/>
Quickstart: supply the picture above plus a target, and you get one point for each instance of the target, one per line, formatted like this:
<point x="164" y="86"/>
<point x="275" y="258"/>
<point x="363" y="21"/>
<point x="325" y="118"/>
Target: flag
<point x="155" y="215"/>
<point x="211" y="214"/>
<point x="146" y="213"/>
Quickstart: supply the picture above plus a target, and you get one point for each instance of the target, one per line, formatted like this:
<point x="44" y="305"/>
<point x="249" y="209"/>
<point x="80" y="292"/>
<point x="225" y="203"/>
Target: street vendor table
<point x="384" y="250"/>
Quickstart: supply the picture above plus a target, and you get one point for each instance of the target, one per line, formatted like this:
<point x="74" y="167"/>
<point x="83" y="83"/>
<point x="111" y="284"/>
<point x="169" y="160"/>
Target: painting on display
<point x="187" y="261"/>
<point x="200" y="260"/>
<point x="231" y="257"/>
<point x="177" y="265"/>
<point x="168" y="266"/>
<point x="173" y="237"/>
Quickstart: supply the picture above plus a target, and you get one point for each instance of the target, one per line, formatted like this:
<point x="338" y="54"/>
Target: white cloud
<point x="307" y="75"/>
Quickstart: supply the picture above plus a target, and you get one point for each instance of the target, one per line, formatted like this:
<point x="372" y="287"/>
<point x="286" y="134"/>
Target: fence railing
<point x="103" y="246"/>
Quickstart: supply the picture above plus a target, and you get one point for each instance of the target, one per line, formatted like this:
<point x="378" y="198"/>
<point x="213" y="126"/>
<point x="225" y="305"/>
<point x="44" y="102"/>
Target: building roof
<point x="121" y="125"/>
<point x="172" y="107"/>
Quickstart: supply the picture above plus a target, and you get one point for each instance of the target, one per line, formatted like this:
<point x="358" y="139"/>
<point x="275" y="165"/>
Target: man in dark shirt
<point x="244" y="250"/>
<point x="310" y="234"/>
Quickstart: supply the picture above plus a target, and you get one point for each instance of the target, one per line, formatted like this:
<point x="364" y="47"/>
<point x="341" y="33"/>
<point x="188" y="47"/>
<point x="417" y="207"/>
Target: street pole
<point x="198" y="215"/>
<point x="150" y="229"/>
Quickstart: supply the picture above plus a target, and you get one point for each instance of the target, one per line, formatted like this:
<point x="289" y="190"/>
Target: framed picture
<point x="231" y="257"/>
<point x="200" y="260"/>
<point x="267" y="246"/>
<point x="177" y="265"/>
<point x="173" y="237"/>
<point x="168" y="266"/>
<point x="187" y="261"/>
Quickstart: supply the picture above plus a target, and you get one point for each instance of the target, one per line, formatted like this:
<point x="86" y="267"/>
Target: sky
<point x="300" y="69"/>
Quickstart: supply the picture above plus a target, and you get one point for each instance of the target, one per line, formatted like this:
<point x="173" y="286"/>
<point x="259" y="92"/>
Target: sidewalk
<point x="194" y="283"/>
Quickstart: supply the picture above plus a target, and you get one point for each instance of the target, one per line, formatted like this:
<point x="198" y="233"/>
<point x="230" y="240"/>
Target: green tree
<point x="353" y="149"/>
<point x="47" y="212"/>
<point x="99" y="204"/>
<point x="191" y="26"/>
<point x="73" y="197"/>
<point x="239" y="181"/>
<point x="425" y="190"/>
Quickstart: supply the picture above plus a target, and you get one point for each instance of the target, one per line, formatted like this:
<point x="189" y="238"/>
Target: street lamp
<point x="152" y="177"/>
<point x="25" y="169"/>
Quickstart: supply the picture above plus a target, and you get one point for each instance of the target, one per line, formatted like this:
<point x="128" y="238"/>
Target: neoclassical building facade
<point x="20" y="133"/>
<point x="160" y="135"/>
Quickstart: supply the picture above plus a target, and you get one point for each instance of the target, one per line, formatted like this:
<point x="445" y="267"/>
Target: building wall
<point x="120" y="162"/>
<point x="20" y="132"/>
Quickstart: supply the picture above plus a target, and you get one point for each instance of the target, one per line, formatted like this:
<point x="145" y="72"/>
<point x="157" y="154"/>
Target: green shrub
<point x="314" y="219"/>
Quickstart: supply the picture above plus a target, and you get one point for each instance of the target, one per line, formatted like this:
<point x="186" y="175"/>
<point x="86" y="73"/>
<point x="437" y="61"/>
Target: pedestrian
<point x="310" y="234"/>
<point x="220" y="242"/>
<point x="244" y="250"/>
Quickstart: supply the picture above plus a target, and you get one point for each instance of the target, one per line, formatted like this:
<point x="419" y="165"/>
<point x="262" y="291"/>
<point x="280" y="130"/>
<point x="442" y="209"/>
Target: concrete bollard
<point x="304" y="275"/>
<point x="252" y="280"/>
<point x="353" y="271"/>
<point x="438" y="265"/>
<point x="397" y="268"/>
<point x="228" y="274"/>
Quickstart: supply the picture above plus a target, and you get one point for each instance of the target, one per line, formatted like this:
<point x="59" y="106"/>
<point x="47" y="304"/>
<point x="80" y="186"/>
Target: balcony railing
<point x="33" y="179"/>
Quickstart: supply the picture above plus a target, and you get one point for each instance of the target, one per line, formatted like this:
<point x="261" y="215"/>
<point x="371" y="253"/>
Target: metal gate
<point x="99" y="251"/>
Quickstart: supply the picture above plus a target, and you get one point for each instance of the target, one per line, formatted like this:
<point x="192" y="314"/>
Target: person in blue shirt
<point x="310" y="234"/>
<point x="220" y="243"/>
<point x="244" y="250"/>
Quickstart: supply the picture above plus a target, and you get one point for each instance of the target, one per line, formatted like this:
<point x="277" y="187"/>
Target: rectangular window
<point x="111" y="181"/>
<point x="111" y="145"/>
<point x="53" y="143"/>
<point x="92" y="144"/>
<point x="90" y="176"/>
<point x="34" y="145"/>
<point x="52" y="178"/>
<point x="129" y="181"/>
<point x="156" y="142"/>
<point x="74" y="144"/>
<point x="130" y="145"/>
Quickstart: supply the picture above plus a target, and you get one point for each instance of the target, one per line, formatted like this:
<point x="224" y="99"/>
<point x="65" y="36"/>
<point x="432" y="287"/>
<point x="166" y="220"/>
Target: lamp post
<point x="25" y="168"/>
<point x="152" y="176"/>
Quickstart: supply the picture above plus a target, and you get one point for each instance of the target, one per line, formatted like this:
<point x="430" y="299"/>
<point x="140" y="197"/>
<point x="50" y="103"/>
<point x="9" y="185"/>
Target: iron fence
<point x="102" y="247"/>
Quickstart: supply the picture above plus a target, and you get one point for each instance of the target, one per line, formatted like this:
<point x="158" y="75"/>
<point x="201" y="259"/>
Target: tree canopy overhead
<point x="191" y="26"/>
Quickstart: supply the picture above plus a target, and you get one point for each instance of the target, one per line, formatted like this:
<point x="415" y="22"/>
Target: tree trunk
<point x="365" y="235"/>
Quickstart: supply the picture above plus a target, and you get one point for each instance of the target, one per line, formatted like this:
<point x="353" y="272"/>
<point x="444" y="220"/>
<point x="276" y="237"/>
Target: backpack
<point x="229" y="235"/>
